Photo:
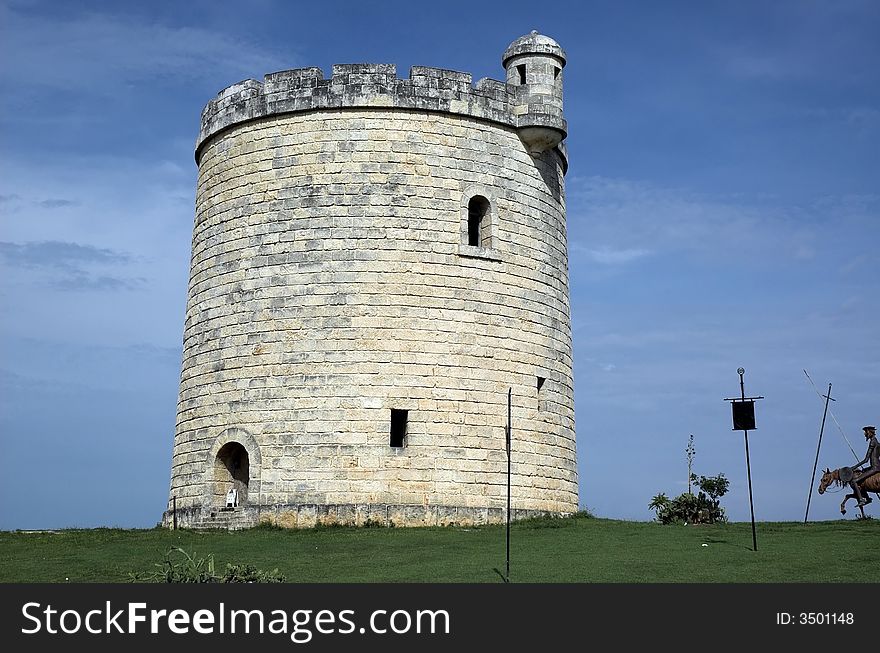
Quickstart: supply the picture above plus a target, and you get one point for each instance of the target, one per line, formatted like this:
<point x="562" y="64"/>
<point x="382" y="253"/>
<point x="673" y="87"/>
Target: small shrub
<point x="180" y="568"/>
<point x="250" y="574"/>
<point x="688" y="508"/>
<point x="188" y="568"/>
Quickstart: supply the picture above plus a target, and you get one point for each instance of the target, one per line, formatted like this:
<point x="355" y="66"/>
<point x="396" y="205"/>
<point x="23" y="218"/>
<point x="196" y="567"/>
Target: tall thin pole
<point x="742" y="388"/>
<point x="819" y="446"/>
<point x="509" y="393"/>
<point x="751" y="504"/>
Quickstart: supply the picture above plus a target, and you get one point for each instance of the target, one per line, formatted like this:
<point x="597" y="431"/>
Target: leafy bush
<point x="188" y="568"/>
<point x="688" y="508"/>
<point x="250" y="574"/>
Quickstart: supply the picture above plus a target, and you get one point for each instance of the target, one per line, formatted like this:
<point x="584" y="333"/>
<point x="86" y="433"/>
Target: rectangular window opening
<point x="539" y="384"/>
<point x="556" y="72"/>
<point x="398" y="427"/>
<point x="521" y="69"/>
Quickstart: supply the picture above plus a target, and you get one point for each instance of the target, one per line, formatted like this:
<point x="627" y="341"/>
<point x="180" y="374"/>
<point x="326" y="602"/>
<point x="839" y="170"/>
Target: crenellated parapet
<point x="526" y="103"/>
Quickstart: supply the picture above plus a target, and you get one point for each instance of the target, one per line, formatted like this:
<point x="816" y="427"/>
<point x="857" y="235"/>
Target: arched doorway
<point x="231" y="470"/>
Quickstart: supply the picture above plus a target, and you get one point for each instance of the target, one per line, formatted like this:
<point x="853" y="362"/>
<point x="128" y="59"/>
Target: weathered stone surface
<point x="332" y="281"/>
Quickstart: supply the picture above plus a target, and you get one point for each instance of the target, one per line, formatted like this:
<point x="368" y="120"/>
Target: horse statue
<point x="870" y="484"/>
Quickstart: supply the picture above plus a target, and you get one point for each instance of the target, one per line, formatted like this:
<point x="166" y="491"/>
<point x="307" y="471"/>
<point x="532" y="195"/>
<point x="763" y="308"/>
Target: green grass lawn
<point x="564" y="550"/>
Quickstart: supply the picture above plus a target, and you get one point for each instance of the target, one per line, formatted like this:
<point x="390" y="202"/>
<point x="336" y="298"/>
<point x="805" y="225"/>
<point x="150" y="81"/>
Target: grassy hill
<point x="579" y="549"/>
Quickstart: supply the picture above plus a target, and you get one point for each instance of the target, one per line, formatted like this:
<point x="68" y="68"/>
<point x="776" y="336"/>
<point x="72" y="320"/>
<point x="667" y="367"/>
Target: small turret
<point x="534" y="64"/>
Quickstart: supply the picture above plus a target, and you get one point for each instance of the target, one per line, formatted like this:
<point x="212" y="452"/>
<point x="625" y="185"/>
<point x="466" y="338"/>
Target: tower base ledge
<point x="308" y="515"/>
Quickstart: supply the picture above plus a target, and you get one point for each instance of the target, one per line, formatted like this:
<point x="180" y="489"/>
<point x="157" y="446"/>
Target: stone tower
<point x="375" y="262"/>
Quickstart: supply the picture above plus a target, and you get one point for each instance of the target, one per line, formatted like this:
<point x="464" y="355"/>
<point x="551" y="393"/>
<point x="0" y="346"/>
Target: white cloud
<point x="859" y="262"/>
<point x="829" y="41"/>
<point x="126" y="225"/>
<point x="863" y="117"/>
<point x="607" y="255"/>
<point x="804" y="253"/>
<point x="634" y="216"/>
<point x="99" y="52"/>
<point x="616" y="221"/>
<point x="763" y="66"/>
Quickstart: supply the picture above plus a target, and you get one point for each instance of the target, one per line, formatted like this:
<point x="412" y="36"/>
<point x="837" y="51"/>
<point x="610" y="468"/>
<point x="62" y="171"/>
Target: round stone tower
<point x="376" y="262"/>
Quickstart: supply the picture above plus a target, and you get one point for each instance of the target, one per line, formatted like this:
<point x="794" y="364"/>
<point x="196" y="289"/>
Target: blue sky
<point x="723" y="211"/>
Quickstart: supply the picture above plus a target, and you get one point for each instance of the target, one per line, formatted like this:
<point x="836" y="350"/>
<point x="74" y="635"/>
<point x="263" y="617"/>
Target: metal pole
<point x="174" y="512"/>
<point x="819" y="446"/>
<point x="751" y="505"/>
<point x="509" y="393"/>
<point x="742" y="389"/>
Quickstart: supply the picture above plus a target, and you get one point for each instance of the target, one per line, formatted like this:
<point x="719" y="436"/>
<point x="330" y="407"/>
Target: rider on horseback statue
<point x="873" y="458"/>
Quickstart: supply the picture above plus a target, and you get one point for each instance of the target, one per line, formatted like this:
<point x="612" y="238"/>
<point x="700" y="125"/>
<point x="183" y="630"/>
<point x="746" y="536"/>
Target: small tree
<point x="716" y="487"/>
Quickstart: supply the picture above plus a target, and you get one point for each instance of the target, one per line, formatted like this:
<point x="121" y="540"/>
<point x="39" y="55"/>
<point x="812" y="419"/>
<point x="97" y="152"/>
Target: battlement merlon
<point x="377" y="85"/>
